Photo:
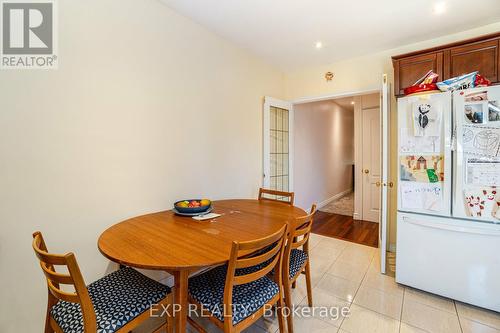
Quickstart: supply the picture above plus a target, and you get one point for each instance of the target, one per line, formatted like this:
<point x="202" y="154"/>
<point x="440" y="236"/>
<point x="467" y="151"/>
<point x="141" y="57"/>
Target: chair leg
<point x="50" y="303"/>
<point x="294" y="284"/>
<point x="48" y="328"/>
<point x="308" y="284"/>
<point x="281" y="319"/>
<point x="289" y="305"/>
<point x="170" y="323"/>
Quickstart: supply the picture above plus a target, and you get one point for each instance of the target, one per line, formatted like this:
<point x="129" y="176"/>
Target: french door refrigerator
<point x="448" y="221"/>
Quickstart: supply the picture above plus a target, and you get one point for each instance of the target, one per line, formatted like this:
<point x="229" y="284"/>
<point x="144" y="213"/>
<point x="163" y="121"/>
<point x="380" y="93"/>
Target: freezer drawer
<point x="449" y="257"/>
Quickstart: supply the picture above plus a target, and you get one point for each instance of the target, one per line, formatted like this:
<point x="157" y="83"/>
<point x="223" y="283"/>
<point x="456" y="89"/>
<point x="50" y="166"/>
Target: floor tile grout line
<point x="419" y="328"/>
<point x="402" y="307"/>
<point x="480" y="322"/>
<point x="433" y="306"/>
<point x="359" y="286"/>
<point x="475" y="320"/>
<point x="326" y="272"/>
<point x="456" y="311"/>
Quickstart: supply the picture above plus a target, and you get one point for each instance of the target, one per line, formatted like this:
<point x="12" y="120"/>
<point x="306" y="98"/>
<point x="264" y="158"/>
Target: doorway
<point x="337" y="164"/>
<point x="368" y="146"/>
<point x="375" y="181"/>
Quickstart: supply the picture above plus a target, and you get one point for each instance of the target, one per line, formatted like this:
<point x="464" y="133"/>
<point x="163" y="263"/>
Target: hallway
<point x="346" y="228"/>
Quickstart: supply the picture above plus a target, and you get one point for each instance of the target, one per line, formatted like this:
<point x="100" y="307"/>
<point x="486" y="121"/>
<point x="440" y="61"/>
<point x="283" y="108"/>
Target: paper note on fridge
<point x="421" y="168"/>
<point x="426" y="116"/>
<point x="418" y="144"/>
<point x="481" y="140"/>
<point x="483" y="172"/>
<point x="421" y="196"/>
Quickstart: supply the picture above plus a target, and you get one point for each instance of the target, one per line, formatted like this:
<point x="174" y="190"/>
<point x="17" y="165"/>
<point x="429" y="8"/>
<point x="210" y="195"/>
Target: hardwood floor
<point x="344" y="227"/>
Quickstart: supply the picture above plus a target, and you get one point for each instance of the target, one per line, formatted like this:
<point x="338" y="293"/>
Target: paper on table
<point x="206" y="216"/>
<point x="418" y="144"/>
<point x="481" y="140"/>
<point x="481" y="172"/>
<point x="421" y="196"/>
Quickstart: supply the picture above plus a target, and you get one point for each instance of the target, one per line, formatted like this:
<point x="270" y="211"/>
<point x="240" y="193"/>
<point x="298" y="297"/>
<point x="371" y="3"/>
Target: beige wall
<point x="365" y="73"/>
<point x="323" y="151"/>
<point x="145" y="108"/>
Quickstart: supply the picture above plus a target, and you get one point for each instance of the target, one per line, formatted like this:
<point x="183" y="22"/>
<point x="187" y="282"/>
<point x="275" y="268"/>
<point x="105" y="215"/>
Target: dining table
<point x="181" y="245"/>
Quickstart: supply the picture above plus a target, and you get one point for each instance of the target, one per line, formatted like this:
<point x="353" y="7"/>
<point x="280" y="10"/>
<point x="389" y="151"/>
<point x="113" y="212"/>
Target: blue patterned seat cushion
<point x="208" y="290"/>
<point x="297" y="260"/>
<point x="117" y="298"/>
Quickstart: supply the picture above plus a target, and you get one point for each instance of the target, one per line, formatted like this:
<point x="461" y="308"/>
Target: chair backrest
<point x="298" y="236"/>
<point x="54" y="279"/>
<point x="269" y="256"/>
<point x="273" y="195"/>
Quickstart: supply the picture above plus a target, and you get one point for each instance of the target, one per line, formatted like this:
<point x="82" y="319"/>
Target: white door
<point x="371" y="163"/>
<point x="278" y="146"/>
<point x="385" y="147"/>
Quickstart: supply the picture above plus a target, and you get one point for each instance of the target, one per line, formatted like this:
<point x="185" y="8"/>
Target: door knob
<point x="378" y="184"/>
<point x="367" y="171"/>
<point x="391" y="184"/>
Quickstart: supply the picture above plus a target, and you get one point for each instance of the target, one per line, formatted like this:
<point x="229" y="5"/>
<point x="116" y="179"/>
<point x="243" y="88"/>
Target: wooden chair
<point x="276" y="196"/>
<point x="296" y="261"/>
<point x="236" y="295"/>
<point x="118" y="302"/>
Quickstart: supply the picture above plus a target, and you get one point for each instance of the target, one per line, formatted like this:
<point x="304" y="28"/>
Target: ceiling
<point x="284" y="32"/>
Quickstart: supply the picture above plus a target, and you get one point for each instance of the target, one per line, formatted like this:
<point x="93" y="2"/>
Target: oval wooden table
<point x="181" y="245"/>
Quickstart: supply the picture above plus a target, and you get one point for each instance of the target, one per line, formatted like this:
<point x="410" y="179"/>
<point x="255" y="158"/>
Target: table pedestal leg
<point x="181" y="300"/>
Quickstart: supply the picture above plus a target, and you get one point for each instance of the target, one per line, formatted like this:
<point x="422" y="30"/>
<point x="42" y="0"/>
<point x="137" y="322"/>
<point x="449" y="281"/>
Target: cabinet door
<point x="482" y="57"/>
<point x="408" y="70"/>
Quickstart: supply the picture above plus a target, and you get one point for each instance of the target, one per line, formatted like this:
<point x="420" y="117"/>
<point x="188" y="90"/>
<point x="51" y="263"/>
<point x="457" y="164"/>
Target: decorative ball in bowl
<point x="192" y="205"/>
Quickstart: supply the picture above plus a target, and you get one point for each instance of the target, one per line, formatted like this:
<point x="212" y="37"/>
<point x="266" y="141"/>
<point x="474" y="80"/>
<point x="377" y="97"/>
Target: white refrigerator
<point x="448" y="221"/>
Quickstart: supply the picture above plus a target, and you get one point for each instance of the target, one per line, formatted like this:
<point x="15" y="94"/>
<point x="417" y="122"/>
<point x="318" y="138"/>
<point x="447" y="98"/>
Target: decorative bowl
<point x="191" y="210"/>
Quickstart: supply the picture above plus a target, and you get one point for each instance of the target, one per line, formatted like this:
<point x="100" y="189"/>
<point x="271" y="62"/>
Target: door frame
<point x="266" y="165"/>
<point x="358" y="211"/>
<point x="385" y="146"/>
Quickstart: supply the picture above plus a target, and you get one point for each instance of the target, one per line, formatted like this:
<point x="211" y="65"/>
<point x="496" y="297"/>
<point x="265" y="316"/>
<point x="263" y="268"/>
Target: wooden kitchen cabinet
<point x="478" y="54"/>
<point x="408" y="70"/>
<point x="482" y="57"/>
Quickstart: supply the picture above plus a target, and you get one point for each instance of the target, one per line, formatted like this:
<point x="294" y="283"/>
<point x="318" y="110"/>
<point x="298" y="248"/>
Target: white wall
<point x="323" y="151"/>
<point x="365" y="73"/>
<point x="146" y="107"/>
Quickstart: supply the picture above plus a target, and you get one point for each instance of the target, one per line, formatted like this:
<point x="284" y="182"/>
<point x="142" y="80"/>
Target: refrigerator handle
<point x="453" y="143"/>
<point x="451" y="227"/>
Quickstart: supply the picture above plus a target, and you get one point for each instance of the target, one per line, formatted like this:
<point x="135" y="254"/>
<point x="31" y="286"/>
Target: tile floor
<point x="347" y="275"/>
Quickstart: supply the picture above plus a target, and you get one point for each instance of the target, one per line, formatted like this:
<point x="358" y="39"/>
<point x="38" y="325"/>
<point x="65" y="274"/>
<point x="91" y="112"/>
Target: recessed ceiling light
<point x="319" y="45"/>
<point x="439" y="7"/>
<point x="352" y="103"/>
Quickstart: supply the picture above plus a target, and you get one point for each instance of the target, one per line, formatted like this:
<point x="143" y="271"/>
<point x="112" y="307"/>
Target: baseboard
<point x="356" y="216"/>
<point x="335" y="197"/>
